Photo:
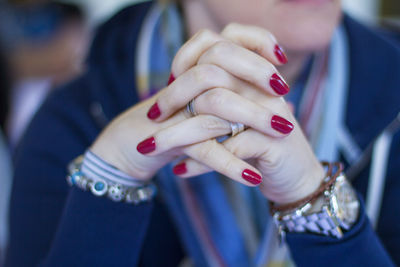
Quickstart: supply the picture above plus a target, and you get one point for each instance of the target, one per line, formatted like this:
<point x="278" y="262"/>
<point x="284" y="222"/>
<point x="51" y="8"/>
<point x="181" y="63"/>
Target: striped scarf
<point x="220" y="222"/>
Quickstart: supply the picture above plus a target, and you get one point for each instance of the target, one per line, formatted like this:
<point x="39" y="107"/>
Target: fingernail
<point x="180" y="169"/>
<point x="278" y="84"/>
<point x="154" y="112"/>
<point x="147" y="146"/>
<point x="251" y="177"/>
<point x="171" y="79"/>
<point x="280" y="54"/>
<point x="281" y="125"/>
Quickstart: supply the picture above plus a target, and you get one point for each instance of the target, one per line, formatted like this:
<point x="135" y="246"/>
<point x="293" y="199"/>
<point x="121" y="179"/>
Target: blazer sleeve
<point x="359" y="247"/>
<point x="362" y="245"/>
<point x="52" y="224"/>
<point x="98" y="232"/>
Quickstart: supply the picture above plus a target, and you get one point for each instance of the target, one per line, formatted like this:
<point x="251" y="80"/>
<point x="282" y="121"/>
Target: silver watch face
<point x="344" y="202"/>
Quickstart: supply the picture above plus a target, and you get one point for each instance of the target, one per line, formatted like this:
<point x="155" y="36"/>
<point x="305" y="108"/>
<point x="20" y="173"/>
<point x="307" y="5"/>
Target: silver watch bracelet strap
<point x="319" y="223"/>
<point x="134" y="193"/>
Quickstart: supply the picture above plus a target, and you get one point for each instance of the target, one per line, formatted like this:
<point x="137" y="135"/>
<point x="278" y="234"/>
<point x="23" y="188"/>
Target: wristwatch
<point x="333" y="212"/>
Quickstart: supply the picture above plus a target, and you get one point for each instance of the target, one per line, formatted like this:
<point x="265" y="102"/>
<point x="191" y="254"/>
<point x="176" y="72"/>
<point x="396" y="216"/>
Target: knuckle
<point x="216" y="50"/>
<point x="274" y="160"/>
<point x="180" y="58"/>
<point x="168" y="103"/>
<point x="228" y="165"/>
<point x="235" y="148"/>
<point x="175" y="64"/>
<point x="231" y="27"/>
<point x="205" y="73"/>
<point x="211" y="123"/>
<point x="170" y="100"/>
<point x="198" y="74"/>
<point x="209" y="75"/>
<point x="205" y="34"/>
<point x="221" y="47"/>
<point x="260" y="47"/>
<point x="205" y="151"/>
<point x="215" y="97"/>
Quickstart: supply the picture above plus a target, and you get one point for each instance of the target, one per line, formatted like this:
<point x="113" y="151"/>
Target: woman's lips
<point x="309" y="1"/>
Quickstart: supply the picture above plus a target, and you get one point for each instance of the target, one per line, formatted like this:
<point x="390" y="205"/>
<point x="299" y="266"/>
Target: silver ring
<point x="190" y="108"/>
<point x="237" y="128"/>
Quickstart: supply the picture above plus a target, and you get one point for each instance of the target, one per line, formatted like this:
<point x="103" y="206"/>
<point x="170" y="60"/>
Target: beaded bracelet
<point x="104" y="187"/>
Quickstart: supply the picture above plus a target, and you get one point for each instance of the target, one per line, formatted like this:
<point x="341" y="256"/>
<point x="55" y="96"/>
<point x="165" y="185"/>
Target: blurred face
<point x="59" y="57"/>
<point x="299" y="25"/>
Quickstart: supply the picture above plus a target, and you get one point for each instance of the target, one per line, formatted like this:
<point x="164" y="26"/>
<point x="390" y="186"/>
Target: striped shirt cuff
<point x="95" y="168"/>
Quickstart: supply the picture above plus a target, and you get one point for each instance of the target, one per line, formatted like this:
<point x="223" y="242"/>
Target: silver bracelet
<point x="104" y="187"/>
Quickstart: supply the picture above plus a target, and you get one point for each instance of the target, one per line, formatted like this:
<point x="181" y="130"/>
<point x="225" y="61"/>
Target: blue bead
<point x="73" y="179"/>
<point x="99" y="186"/>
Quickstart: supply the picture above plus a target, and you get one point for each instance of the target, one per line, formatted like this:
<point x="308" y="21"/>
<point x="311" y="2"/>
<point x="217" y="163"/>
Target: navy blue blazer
<point x="54" y="225"/>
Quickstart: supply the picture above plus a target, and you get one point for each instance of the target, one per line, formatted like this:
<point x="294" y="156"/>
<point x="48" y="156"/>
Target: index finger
<point x="253" y="38"/>
<point x="256" y="39"/>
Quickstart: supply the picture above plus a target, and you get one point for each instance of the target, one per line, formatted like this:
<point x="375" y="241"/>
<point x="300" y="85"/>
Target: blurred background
<point x="43" y="44"/>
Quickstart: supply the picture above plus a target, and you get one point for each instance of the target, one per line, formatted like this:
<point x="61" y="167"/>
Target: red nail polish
<point x="278" y="84"/>
<point x="280" y="54"/>
<point x="180" y="169"/>
<point x="147" y="146"/>
<point x="171" y="79"/>
<point x="154" y="112"/>
<point x="251" y="177"/>
<point x="281" y="125"/>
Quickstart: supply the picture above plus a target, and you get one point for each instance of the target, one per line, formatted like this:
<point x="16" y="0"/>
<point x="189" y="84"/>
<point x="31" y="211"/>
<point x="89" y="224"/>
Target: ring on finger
<point x="190" y="108"/>
<point x="236" y="128"/>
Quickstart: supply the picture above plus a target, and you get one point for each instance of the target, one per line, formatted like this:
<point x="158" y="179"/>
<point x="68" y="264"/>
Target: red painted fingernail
<point x="281" y="125"/>
<point x="280" y="54"/>
<point x="154" y="112"/>
<point x="171" y="79"/>
<point x="180" y="169"/>
<point x="278" y="84"/>
<point x="251" y="177"/>
<point x="147" y="146"/>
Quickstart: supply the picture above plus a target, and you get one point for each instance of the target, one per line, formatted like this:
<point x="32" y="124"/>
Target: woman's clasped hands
<point x="229" y="79"/>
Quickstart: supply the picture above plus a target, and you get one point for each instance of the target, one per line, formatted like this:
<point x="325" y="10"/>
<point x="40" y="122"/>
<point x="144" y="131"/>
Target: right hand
<point x="219" y="71"/>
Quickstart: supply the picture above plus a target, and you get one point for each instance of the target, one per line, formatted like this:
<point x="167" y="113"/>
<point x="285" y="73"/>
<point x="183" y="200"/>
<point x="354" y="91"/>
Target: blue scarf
<point x="213" y="214"/>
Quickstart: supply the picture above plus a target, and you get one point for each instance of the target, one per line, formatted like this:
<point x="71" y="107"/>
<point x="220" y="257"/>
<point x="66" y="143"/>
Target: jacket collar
<point x="373" y="100"/>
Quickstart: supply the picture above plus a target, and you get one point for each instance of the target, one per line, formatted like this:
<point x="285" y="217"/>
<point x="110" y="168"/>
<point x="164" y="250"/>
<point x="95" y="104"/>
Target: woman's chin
<point x="308" y="2"/>
<point x="308" y="34"/>
<point x="306" y="40"/>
